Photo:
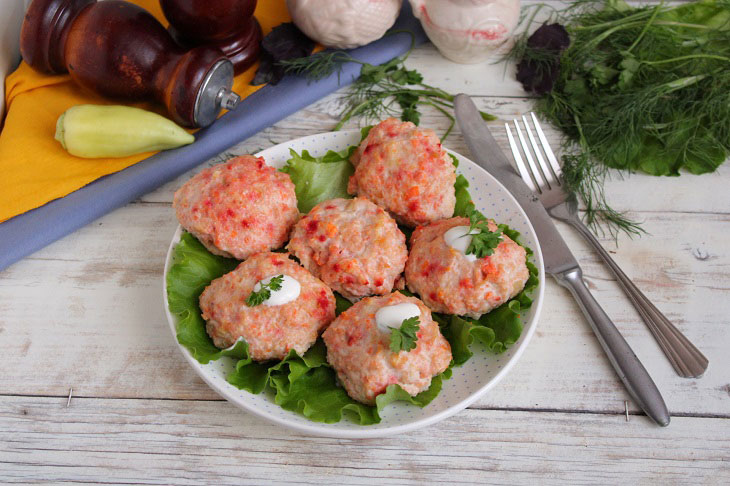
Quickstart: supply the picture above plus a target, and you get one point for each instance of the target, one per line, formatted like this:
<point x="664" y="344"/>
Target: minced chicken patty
<point x="360" y="352"/>
<point x="270" y="331"/>
<point x="352" y="245"/>
<point x="238" y="208"/>
<point x="404" y="169"/>
<point x="449" y="283"/>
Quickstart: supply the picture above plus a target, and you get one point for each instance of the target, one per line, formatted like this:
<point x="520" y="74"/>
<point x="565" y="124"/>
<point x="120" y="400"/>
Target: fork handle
<point x="686" y="359"/>
<point x="628" y="367"/>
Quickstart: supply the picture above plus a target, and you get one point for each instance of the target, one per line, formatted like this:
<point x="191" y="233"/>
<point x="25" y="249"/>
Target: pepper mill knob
<point x="120" y="50"/>
<point x="228" y="25"/>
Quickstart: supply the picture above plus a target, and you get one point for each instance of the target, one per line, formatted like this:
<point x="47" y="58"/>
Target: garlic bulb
<point x="344" y="23"/>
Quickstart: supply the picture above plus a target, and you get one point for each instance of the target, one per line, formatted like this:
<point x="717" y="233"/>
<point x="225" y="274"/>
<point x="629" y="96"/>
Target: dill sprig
<point x="585" y="178"/>
<point x="386" y="90"/>
<point x="317" y="66"/>
<point x="639" y="89"/>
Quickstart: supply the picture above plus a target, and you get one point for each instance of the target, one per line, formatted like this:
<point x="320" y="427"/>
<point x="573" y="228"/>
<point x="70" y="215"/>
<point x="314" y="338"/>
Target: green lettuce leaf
<point x="193" y="268"/>
<point x="318" y="179"/>
<point x="364" y="131"/>
<point x="317" y="396"/>
<point x="308" y="385"/>
<point x="460" y="333"/>
<point x="395" y="393"/>
<point x="464" y="205"/>
<point x="341" y="304"/>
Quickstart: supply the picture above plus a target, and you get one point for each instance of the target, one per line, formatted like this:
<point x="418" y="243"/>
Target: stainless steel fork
<point x="545" y="179"/>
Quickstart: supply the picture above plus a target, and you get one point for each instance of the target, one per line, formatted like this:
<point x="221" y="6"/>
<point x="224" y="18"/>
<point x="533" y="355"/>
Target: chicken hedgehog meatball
<point x="358" y="348"/>
<point x="285" y="321"/>
<point x="451" y="282"/>
<point x="404" y="169"/>
<point x="238" y="208"/>
<point x="352" y="245"/>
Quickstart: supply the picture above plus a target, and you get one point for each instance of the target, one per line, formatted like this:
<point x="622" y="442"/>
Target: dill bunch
<point x="386" y="90"/>
<point x="638" y="89"/>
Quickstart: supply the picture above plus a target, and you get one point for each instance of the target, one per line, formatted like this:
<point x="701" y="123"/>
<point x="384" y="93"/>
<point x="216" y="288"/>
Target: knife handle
<point x="623" y="359"/>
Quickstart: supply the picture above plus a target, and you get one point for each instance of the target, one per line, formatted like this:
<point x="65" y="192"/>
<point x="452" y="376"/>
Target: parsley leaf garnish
<point x="404" y="338"/>
<point x="483" y="240"/>
<point x="258" y="297"/>
<point x="381" y="91"/>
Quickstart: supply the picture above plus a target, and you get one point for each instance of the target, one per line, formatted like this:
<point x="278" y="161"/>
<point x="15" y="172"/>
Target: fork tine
<point x="530" y="161"/>
<point x="544" y="169"/>
<point x="548" y="151"/>
<point x="518" y="160"/>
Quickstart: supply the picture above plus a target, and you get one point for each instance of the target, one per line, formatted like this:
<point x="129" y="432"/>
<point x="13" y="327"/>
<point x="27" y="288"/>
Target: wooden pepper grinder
<point x="228" y="25"/>
<point x="120" y="50"/>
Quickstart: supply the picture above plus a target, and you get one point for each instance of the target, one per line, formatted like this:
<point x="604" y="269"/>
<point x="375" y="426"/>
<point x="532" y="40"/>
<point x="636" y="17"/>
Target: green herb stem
<point x="686" y="58"/>
<point x="671" y="23"/>
<point x="389" y="89"/>
<point x="684" y="82"/>
<point x="646" y="27"/>
<point x="443" y="94"/>
<point x="358" y="109"/>
<point x="445" y="113"/>
<point x="623" y="20"/>
<point x="591" y="44"/>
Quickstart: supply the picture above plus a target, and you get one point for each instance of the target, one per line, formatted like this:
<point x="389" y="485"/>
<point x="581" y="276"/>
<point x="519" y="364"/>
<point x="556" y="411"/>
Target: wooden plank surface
<point x="189" y="442"/>
<point x="87" y="313"/>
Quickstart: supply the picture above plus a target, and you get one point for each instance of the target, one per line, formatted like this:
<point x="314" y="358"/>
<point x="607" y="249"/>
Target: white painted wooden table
<point x="87" y="313"/>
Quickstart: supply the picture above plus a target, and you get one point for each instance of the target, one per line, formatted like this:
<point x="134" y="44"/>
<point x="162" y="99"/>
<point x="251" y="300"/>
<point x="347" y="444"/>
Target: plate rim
<point x="323" y="429"/>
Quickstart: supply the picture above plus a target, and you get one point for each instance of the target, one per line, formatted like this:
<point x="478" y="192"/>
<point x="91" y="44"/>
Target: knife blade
<point x="560" y="262"/>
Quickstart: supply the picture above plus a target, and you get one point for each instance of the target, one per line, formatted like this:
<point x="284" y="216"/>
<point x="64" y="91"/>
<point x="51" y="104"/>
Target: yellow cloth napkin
<point x="34" y="168"/>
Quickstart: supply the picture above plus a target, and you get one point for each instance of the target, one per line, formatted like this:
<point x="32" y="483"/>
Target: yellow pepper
<point x="93" y="131"/>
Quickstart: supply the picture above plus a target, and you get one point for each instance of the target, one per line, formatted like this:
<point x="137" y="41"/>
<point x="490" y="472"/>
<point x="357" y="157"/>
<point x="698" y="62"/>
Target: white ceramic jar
<point x="467" y="31"/>
<point x="344" y="24"/>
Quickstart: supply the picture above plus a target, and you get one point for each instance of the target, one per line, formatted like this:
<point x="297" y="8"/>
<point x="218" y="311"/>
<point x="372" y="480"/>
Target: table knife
<point x="560" y="262"/>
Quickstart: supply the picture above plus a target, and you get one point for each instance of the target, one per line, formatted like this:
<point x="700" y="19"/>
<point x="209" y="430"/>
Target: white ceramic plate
<point x="469" y="382"/>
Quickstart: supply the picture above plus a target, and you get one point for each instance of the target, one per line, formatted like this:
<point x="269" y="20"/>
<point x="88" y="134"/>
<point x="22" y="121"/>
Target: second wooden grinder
<point x="120" y="50"/>
<point x="228" y="25"/>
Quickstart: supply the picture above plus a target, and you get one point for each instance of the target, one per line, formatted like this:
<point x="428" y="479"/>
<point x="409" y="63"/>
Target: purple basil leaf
<point x="265" y="72"/>
<point x="551" y="37"/>
<point x="284" y="42"/>
<point x="539" y="75"/>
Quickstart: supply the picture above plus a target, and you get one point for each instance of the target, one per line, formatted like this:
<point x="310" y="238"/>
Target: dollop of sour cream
<point x="459" y="238"/>
<point x="289" y="291"/>
<point x="392" y="316"/>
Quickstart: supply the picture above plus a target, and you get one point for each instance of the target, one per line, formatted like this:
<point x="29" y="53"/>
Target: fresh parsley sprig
<point x="404" y="338"/>
<point x="483" y="240"/>
<point x="389" y="89"/>
<point x="261" y="295"/>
